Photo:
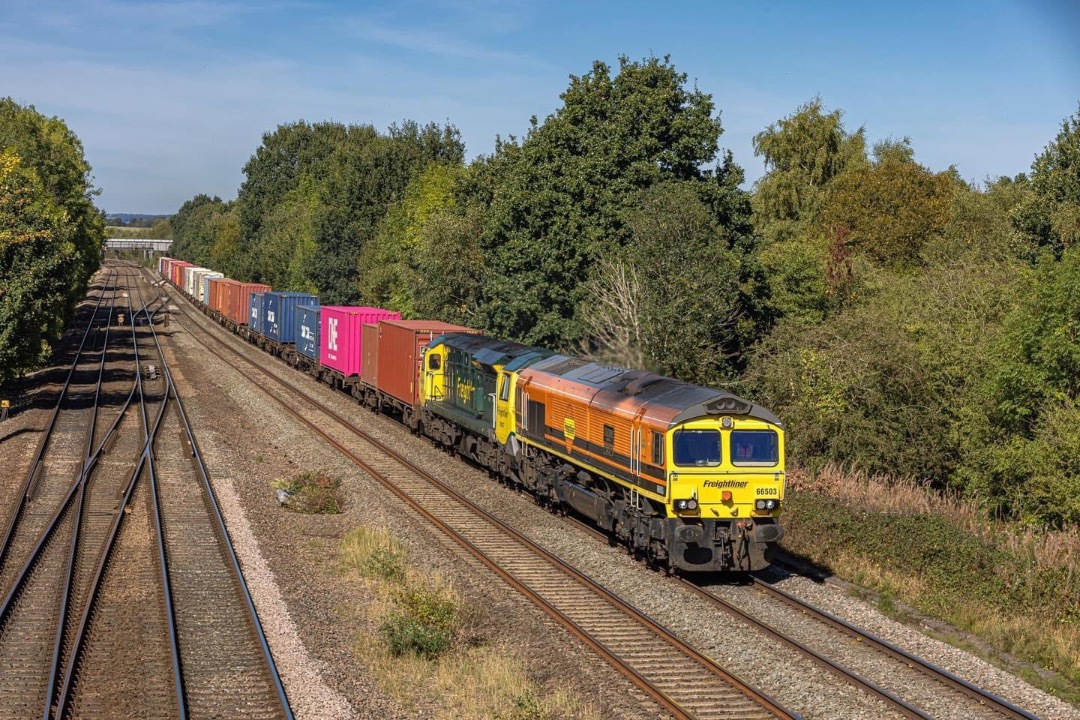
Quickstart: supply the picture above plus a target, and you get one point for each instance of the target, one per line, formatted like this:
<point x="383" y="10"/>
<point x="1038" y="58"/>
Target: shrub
<point x="313" y="492"/>
<point x="423" y="622"/>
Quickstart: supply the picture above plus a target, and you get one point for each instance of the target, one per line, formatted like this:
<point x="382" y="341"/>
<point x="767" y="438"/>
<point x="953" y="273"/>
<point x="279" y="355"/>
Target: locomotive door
<point x="637" y="446"/>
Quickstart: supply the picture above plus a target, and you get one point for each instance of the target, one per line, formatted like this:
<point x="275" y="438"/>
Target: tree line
<point x="898" y="319"/>
<point x="50" y="234"/>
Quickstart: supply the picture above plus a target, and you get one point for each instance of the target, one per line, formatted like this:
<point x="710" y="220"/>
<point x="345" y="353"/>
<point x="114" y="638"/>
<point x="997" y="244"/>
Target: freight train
<point x="688" y="477"/>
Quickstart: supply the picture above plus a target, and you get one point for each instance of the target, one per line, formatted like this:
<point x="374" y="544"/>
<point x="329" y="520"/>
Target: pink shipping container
<point x="400" y="354"/>
<point x="162" y="264"/>
<point x="238" y="300"/>
<point x="341" y="340"/>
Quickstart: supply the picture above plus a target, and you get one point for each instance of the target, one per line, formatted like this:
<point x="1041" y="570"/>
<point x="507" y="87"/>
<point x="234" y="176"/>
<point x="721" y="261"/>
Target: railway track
<point x="33" y="549"/>
<point x="682" y="680"/>
<point x="95" y="570"/>
<point x="956" y="696"/>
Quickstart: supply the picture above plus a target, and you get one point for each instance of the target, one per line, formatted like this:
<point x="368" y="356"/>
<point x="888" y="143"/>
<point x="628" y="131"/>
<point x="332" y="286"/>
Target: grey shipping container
<point x="279" y="309"/>
<point x="306" y="330"/>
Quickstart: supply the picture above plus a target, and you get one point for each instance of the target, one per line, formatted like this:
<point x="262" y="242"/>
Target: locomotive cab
<point x="726" y="485"/>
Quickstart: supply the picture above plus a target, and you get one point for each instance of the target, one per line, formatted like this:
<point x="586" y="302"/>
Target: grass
<point x="1015" y="588"/>
<point x="312" y="492"/>
<point x="417" y="635"/>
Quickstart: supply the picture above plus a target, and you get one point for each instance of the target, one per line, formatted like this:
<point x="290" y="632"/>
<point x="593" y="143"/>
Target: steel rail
<point x="150" y="433"/>
<point x="219" y="522"/>
<point x="995" y="702"/>
<point x="39" y="453"/>
<point x="638" y="679"/>
<point x="73" y="551"/>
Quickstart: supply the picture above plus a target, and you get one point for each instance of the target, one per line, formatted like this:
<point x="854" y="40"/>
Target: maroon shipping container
<point x="369" y="366"/>
<point x="163" y="263"/>
<point x="341" y="341"/>
<point x="400" y="356"/>
<point x="238" y="300"/>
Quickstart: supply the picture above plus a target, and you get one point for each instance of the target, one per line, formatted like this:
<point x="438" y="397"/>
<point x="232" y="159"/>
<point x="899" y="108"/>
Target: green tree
<point x="803" y="153"/>
<point x="676" y="300"/>
<point x="390" y="264"/>
<point x="56" y="155"/>
<point x="563" y="192"/>
<point x="1050" y="212"/>
<point x="38" y="264"/>
<point x="808" y="268"/>
<point x="891" y="210"/>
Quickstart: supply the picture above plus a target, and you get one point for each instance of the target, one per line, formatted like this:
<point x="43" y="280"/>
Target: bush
<point x="424" y="621"/>
<point x="313" y="492"/>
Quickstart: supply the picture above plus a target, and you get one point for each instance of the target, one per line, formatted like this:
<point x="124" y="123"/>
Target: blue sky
<point x="171" y="98"/>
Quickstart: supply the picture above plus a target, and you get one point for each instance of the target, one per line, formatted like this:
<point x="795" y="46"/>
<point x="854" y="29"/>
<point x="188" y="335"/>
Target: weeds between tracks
<point x="417" y="632"/>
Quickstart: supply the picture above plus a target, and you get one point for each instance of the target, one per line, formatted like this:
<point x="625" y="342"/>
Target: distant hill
<point x="132" y="219"/>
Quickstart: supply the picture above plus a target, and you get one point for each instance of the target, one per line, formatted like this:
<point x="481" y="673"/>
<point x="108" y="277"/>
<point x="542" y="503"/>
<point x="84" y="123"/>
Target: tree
<point x="563" y="192"/>
<point x="39" y="264"/>
<point x="56" y="155"/>
<point x="892" y="209"/>
<point x="51" y="235"/>
<point x="1050" y="213"/>
<point x="389" y="265"/>
<point x="803" y="153"/>
<point x="675" y="299"/>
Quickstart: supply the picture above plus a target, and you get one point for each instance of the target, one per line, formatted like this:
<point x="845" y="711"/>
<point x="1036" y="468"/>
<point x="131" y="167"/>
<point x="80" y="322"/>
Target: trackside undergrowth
<point x="421" y="633"/>
<point x="1018" y="589"/>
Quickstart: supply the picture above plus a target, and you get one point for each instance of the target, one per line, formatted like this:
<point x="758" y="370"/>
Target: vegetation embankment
<point x="161" y="229"/>
<point x="50" y="234"/>
<point x="1018" y="589"/>
<point x="900" y="319"/>
<point x="420" y="633"/>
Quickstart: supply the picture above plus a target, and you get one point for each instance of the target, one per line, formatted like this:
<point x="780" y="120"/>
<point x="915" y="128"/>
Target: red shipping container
<point x="340" y="338"/>
<point x="238" y="300"/>
<point x="400" y="356"/>
<point x="369" y="367"/>
<point x="176" y="273"/>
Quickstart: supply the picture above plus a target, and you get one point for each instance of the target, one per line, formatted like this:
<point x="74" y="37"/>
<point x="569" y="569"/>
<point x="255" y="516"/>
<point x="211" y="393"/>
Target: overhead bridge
<point x="147" y="246"/>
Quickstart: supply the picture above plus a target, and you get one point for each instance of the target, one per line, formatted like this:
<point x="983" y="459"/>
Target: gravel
<point x="790" y="680"/>
<point x="246" y="437"/>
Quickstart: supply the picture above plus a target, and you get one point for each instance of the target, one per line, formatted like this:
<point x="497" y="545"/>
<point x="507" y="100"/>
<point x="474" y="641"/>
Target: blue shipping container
<point x="255" y="313"/>
<point x="307" y="330"/>
<point x="279" y="309"/>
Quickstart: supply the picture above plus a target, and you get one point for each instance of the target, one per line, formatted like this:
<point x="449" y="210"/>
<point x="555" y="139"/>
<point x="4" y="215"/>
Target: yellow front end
<point x="725" y="468"/>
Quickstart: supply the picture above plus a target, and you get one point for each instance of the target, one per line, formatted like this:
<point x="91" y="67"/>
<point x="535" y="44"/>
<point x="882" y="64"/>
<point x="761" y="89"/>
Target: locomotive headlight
<point x="684" y="505"/>
<point x="691" y="504"/>
<point x="766" y="504"/>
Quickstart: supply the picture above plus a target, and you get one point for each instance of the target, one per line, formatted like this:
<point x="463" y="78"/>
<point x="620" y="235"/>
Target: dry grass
<point x="1047" y="549"/>
<point x="470" y="679"/>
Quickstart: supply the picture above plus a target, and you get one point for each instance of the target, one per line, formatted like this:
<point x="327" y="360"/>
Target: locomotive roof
<point x="688" y="400"/>
<point x="490" y="351"/>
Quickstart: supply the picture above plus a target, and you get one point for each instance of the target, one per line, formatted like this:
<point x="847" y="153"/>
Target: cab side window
<point x="504" y="391"/>
<point x="657" y="448"/>
<point x="434" y="361"/>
